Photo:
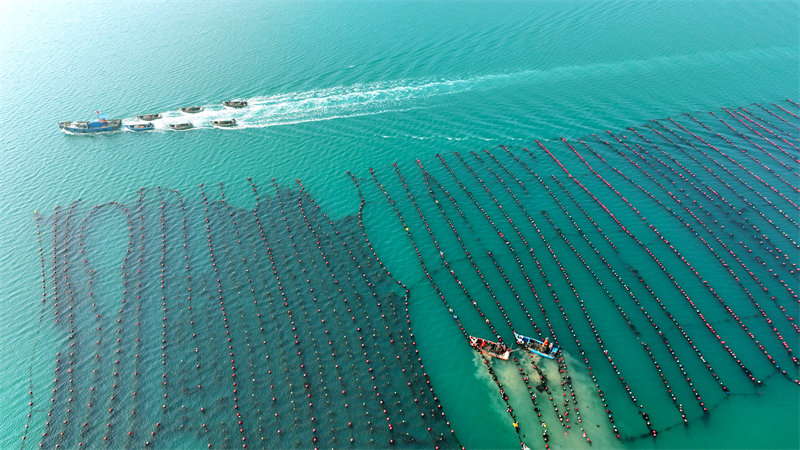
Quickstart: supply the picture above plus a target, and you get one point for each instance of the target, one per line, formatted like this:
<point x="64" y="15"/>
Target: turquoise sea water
<point x="351" y="86"/>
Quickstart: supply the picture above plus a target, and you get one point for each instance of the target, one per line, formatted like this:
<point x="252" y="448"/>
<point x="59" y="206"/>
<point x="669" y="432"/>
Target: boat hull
<point x="224" y="123"/>
<point x="91" y="127"/>
<point x="535" y="346"/>
<point x="141" y="127"/>
<point x="490" y="348"/>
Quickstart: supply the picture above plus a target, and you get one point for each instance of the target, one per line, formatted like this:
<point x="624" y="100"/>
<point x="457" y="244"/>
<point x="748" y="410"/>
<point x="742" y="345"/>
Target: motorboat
<point x="234" y="103"/>
<point x="181" y="126"/>
<point x="224" y="123"/>
<point x="149" y="116"/>
<point x="140" y="126"/>
<point x="191" y="109"/>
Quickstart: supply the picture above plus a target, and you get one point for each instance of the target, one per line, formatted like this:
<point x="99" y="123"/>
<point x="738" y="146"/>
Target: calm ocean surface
<point x="338" y="86"/>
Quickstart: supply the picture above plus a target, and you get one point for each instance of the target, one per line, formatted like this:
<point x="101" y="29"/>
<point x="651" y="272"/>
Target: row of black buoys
<point x="777" y="116"/>
<point x="427" y="272"/>
<point x="642" y="308"/>
<point x="767" y="168"/>
<point x="730" y="158"/>
<point x="561" y="362"/>
<point x="31" y="399"/>
<point x="626" y="318"/>
<point x="774" y="144"/>
<point x="582" y="305"/>
<point x="739" y="116"/>
<point x="694" y="306"/>
<point x="562" y="365"/>
<point x="751" y="115"/>
<point x="429" y="179"/>
<point x="725" y="265"/>
<point x="741" y="181"/>
<point x="232" y="355"/>
<point x="407" y="316"/>
<point x="686" y="262"/>
<point x="738" y="259"/>
<point x="566" y="383"/>
<point x="566" y="379"/>
<point x="715" y="293"/>
<point x="459" y="282"/>
<point x="658" y="301"/>
<point x="703" y="224"/>
<point x="741" y="210"/>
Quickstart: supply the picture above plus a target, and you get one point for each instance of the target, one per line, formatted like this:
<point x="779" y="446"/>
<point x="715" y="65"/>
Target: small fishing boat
<point x="234" y="103"/>
<point x="191" y="109"/>
<point x="181" y="126"/>
<point x="140" y="126"/>
<point x="99" y="125"/>
<point x="490" y="348"/>
<point x="224" y="123"/>
<point x="536" y="346"/>
<point x="149" y="116"/>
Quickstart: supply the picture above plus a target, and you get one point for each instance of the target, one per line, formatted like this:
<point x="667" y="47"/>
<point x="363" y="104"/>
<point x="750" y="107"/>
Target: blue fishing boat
<point x="140" y="126"/>
<point x="545" y="348"/>
<point x="99" y="125"/>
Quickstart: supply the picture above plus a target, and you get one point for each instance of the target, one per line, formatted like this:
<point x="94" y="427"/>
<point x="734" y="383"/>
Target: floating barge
<point x="536" y="346"/>
<point x="499" y="351"/>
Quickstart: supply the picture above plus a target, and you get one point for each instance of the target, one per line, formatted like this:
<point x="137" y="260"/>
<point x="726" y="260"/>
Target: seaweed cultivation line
<point x="148" y="320"/>
<point x="188" y="321"/>
<point x="770" y="273"/>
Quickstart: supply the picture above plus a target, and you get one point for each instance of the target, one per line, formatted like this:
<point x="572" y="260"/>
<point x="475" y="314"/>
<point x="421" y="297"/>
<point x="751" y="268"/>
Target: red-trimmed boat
<point x="490" y="348"/>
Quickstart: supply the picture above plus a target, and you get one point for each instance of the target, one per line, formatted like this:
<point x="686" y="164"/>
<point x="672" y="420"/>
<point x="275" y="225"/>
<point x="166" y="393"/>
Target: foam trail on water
<point x="403" y="95"/>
